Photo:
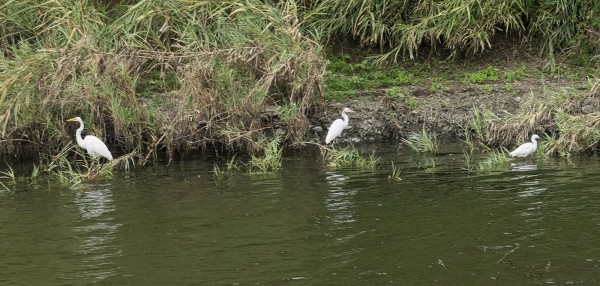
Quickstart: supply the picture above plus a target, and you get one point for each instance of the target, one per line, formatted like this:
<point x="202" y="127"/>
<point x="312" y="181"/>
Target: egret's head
<point x="76" y="119"/>
<point x="535" y="137"/>
<point x="346" y="110"/>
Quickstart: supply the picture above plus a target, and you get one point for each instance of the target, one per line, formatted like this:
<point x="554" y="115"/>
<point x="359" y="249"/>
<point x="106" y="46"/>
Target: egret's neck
<point x="345" y="118"/>
<point x="78" y="135"/>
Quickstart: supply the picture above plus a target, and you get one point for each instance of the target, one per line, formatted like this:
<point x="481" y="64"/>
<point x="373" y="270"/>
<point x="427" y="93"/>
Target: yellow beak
<point x="72" y="119"/>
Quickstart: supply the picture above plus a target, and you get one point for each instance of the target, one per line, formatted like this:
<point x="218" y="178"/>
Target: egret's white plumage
<point x="91" y="143"/>
<point x="338" y="126"/>
<point x="527" y="148"/>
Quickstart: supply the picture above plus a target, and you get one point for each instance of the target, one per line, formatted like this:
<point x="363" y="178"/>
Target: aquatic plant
<point x="10" y="176"/>
<point x="423" y="142"/>
<point x="578" y="133"/>
<point x="230" y="167"/>
<point x="271" y="158"/>
<point x="494" y="160"/>
<point x="349" y="156"/>
<point x="395" y="173"/>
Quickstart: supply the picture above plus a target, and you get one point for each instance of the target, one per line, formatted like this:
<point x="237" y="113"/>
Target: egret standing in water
<point x="527" y="148"/>
<point x="338" y="126"/>
<point x="94" y="146"/>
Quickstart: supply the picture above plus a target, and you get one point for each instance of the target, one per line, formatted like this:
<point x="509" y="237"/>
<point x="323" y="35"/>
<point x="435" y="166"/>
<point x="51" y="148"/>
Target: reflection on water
<point x="339" y="200"/>
<point x="522" y="166"/>
<point x="97" y="234"/>
<point x="529" y="179"/>
<point x="531" y="223"/>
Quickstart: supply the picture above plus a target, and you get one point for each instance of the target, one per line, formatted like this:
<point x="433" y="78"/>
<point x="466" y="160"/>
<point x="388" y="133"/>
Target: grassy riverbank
<point x="174" y="77"/>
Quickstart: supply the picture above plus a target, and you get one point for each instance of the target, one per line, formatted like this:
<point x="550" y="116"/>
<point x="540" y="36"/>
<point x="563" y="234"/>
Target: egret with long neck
<point x="527" y="148"/>
<point x="92" y="144"/>
<point x="338" y="126"/>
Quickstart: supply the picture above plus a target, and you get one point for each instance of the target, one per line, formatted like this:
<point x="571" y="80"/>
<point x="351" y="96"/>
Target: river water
<point x="535" y="222"/>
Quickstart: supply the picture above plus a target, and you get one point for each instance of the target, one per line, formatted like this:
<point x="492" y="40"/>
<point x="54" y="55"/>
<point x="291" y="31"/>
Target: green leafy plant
<point x="395" y="174"/>
<point x="423" y="142"/>
<point x="271" y="158"/>
<point x="495" y="160"/>
<point x="515" y="75"/>
<point x="349" y="156"/>
<point x="488" y="74"/>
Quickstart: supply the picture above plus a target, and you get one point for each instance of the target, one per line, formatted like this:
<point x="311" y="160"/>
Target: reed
<point x="271" y="159"/>
<point x="395" y="173"/>
<point x="152" y="75"/>
<point x="401" y="28"/>
<point x="494" y="160"/>
<point x="349" y="156"/>
<point x="423" y="142"/>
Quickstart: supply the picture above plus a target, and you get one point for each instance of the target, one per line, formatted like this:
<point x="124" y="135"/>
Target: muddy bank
<point x="444" y="112"/>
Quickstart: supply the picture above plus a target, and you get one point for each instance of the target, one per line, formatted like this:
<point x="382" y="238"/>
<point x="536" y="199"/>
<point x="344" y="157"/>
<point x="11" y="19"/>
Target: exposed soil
<point x="445" y="111"/>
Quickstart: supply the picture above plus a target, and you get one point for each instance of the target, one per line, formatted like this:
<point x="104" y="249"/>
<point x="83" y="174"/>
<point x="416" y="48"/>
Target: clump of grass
<point x="468" y="160"/>
<point x="146" y="73"/>
<point x="489" y="74"/>
<point x="395" y="174"/>
<point x="230" y="167"/>
<point x="349" y="156"/>
<point x="578" y="133"/>
<point x="11" y="178"/>
<point x="271" y="159"/>
<point x="518" y="74"/>
<point x="71" y="166"/>
<point x="495" y="160"/>
<point x="558" y="110"/>
<point x="423" y="142"/>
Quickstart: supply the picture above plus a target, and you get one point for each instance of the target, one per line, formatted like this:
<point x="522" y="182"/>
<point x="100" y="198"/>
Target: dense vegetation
<point x="178" y="75"/>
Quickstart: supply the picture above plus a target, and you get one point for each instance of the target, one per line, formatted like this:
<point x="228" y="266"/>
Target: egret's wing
<point x="95" y="146"/>
<point x="522" y="150"/>
<point x="335" y="130"/>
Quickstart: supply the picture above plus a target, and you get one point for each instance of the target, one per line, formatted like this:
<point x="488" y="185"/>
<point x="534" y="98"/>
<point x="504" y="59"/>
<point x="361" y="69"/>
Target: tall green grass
<point x="402" y="28"/>
<point x="154" y="75"/>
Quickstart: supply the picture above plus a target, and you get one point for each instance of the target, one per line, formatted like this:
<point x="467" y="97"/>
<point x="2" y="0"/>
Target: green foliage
<point x="578" y="133"/>
<point x="349" y="156"/>
<point x="395" y="174"/>
<point x="396" y="92"/>
<point x="344" y="79"/>
<point x="494" y="161"/>
<point x="154" y="74"/>
<point x="486" y="88"/>
<point x="229" y="170"/>
<point x="411" y="102"/>
<point x="488" y="74"/>
<point x="404" y="27"/>
<point x="436" y="85"/>
<point x="271" y="159"/>
<point x="423" y="142"/>
<point x="404" y="78"/>
<point x="518" y="74"/>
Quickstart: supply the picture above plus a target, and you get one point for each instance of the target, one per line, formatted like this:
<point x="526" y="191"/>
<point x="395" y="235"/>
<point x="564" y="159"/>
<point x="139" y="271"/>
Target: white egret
<point x="338" y="126"/>
<point x="94" y="146"/>
<point x="526" y="149"/>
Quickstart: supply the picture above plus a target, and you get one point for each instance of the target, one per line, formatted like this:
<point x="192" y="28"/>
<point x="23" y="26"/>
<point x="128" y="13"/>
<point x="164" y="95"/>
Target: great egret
<point x="338" y="126"/>
<point x="91" y="143"/>
<point x="526" y="149"/>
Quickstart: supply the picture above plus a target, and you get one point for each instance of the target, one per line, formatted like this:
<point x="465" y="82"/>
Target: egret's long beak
<point x="350" y="110"/>
<point x="72" y="119"/>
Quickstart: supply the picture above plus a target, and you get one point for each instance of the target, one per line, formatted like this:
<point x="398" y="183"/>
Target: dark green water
<point x="534" y="223"/>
